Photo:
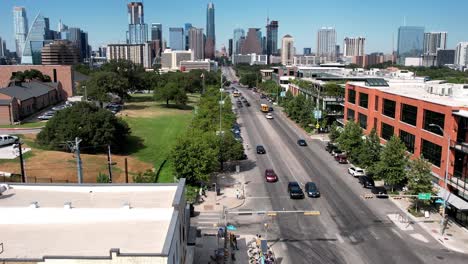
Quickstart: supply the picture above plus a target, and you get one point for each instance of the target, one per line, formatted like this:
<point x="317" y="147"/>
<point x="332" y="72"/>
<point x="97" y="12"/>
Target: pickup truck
<point x="7" y="140"/>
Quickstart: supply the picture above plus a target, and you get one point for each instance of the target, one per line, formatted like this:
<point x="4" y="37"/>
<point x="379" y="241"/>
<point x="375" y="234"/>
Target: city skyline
<point x="105" y="23"/>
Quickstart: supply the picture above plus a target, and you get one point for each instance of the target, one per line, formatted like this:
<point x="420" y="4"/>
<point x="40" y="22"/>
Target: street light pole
<point x="446" y="174"/>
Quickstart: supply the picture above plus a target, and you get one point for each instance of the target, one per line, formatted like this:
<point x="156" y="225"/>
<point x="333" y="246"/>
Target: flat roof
<point x="417" y="90"/>
<point x="99" y="220"/>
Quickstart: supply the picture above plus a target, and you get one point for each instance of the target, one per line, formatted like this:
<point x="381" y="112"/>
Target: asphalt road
<point x="349" y="229"/>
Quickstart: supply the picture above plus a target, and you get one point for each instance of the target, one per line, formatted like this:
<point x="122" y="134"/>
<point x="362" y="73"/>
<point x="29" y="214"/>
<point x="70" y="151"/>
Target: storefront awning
<point x="453" y="200"/>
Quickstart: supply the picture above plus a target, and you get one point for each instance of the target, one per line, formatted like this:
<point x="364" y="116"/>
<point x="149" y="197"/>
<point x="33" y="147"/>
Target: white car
<point x="356" y="171"/>
<point x="269" y="116"/>
<point x="7" y="140"/>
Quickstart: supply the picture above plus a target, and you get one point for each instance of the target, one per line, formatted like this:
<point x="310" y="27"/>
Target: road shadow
<point x="142" y="98"/>
<point x="135" y="107"/>
<point x="176" y="106"/>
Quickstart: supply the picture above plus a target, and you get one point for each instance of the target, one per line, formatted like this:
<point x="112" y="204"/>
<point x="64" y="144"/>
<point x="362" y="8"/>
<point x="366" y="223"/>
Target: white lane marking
<point x="353" y="239"/>
<point x="340" y="238"/>
<point x="265" y="197"/>
<point x="374" y="235"/>
<point x="419" y="237"/>
<point x="396" y="232"/>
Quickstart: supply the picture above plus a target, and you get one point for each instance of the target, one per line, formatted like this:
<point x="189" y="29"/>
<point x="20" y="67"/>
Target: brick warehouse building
<point x="406" y="109"/>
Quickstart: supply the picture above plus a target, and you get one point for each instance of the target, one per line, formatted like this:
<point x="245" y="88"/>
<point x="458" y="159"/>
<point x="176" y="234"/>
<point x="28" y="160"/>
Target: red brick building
<point x="412" y="111"/>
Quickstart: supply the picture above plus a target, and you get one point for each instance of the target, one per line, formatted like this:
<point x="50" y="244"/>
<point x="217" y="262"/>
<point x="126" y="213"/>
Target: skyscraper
<point x="354" y="47"/>
<point x="252" y="42"/>
<point x="186" y="35"/>
<point x="156" y="41"/>
<point x="287" y="50"/>
<point x="35" y="40"/>
<point x="461" y="54"/>
<point x="137" y="29"/>
<point x="272" y="37"/>
<point x="196" y="43"/>
<point x="156" y="31"/>
<point x="434" y="41"/>
<point x="176" y="38"/>
<point x="410" y="42"/>
<point x="2" y="48"/>
<point x="326" y="43"/>
<point x="20" y="24"/>
<point x="210" y="45"/>
<point x="307" y="51"/>
<point x="230" y="49"/>
<point x="238" y="34"/>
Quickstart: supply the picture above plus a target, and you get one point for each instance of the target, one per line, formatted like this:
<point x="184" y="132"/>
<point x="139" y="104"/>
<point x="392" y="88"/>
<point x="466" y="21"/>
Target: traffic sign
<point x="283" y="94"/>
<point x="317" y="126"/>
<point x="231" y="228"/>
<point x="440" y="201"/>
<point x="424" y="196"/>
<point x="317" y="114"/>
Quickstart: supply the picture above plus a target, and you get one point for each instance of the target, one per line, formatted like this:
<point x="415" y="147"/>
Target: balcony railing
<point x="459" y="183"/>
<point x="460" y="146"/>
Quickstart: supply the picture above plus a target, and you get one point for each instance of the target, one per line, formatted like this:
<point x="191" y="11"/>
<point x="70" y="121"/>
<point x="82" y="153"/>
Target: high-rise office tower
<point x="238" y="34"/>
<point x="287" y="50"/>
<point x="137" y="29"/>
<point x="461" y="54"/>
<point x="272" y="37"/>
<point x="156" y="31"/>
<point x="156" y="40"/>
<point x="176" y="38"/>
<point x="2" y="49"/>
<point x="196" y="43"/>
<point x="307" y="51"/>
<point x="210" y="44"/>
<point x="188" y="26"/>
<point x="410" y="42"/>
<point x="434" y="41"/>
<point x="326" y="43"/>
<point x="35" y="40"/>
<point x="264" y="45"/>
<point x="20" y="24"/>
<point x="252" y="43"/>
<point x="230" y="49"/>
<point x="354" y="47"/>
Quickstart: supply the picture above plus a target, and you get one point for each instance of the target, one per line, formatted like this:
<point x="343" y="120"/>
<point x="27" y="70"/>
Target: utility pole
<point x="75" y="147"/>
<point x="109" y="162"/>
<point x="23" y="176"/>
<point x="126" y="171"/>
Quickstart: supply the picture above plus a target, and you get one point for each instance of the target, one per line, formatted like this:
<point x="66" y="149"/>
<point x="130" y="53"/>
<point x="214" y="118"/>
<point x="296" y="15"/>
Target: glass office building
<point x="176" y="38"/>
<point x="410" y="42"/>
<point x="20" y="23"/>
<point x="36" y="39"/>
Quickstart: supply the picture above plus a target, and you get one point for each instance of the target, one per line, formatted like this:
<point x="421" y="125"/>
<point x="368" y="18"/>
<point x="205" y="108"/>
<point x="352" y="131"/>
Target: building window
<point x="362" y="120"/>
<point x="432" y="152"/>
<point x="409" y="114"/>
<point x="351" y="96"/>
<point x="386" y="131"/>
<point x="434" y="118"/>
<point x="389" y="108"/>
<point x="363" y="100"/>
<point x="350" y="114"/>
<point x="375" y="123"/>
<point x="408" y="139"/>
<point x="376" y="105"/>
<point x="55" y="75"/>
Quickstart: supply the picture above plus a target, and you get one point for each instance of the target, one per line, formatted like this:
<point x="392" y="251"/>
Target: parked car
<point x="269" y="116"/>
<point x="295" y="191"/>
<point x="356" y="171"/>
<point x="312" y="190"/>
<point x="342" y="159"/>
<point x="330" y="147"/>
<point x="247" y="104"/>
<point x="270" y="175"/>
<point x="8" y="140"/>
<point x="262" y="96"/>
<point x="336" y="152"/>
<point x="270" y="109"/>
<point x="45" y="116"/>
<point x="366" y="182"/>
<point x="260" y="149"/>
<point x="380" y="192"/>
<point x="302" y="143"/>
<point x="58" y="108"/>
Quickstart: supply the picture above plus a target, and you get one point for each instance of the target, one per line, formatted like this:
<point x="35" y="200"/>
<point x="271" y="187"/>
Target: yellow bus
<point x="264" y="108"/>
<point x="236" y="94"/>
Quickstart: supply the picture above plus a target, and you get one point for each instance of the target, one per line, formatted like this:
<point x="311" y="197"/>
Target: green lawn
<point x="25" y="125"/>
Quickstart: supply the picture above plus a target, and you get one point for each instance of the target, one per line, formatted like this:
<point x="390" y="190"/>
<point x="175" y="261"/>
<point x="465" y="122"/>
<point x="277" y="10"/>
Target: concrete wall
<point x="62" y="73"/>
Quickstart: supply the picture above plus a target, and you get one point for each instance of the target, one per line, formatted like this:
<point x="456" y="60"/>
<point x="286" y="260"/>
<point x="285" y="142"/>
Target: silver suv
<point x="7" y="140"/>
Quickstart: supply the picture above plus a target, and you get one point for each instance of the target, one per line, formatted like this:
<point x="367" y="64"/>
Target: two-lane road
<point x="348" y="230"/>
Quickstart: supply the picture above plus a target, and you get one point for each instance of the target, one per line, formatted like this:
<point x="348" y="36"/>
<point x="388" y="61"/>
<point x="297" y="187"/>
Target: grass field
<point x="26" y="125"/>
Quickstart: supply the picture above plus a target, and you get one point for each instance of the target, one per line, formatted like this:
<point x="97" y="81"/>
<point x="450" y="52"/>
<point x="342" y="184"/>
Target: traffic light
<point x="441" y="210"/>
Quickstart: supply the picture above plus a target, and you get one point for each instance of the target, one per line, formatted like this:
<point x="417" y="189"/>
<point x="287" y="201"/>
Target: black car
<point x="366" y="182"/>
<point x="270" y="109"/>
<point x="380" y="192"/>
<point x="261" y="149"/>
<point x="302" y="143"/>
<point x="295" y="191"/>
<point x="312" y="190"/>
<point x="330" y="147"/>
<point x="247" y="103"/>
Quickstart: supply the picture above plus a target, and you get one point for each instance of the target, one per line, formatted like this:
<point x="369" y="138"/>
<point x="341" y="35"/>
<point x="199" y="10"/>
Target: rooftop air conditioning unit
<point x="3" y="188"/>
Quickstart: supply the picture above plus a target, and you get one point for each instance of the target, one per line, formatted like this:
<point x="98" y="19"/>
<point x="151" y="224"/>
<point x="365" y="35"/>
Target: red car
<point x="270" y="175"/>
<point x="342" y="159"/>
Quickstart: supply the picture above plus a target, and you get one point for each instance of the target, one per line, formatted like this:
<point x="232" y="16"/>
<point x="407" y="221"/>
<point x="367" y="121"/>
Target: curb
<point x="21" y="128"/>
<point x="427" y="229"/>
<point x="237" y="206"/>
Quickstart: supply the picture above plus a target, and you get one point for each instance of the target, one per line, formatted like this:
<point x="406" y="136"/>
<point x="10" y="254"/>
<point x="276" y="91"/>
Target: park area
<point x="155" y="128"/>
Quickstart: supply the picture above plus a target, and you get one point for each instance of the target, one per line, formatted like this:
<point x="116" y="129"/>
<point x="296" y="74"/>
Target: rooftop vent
<point x="67" y="205"/>
<point x="34" y="205"/>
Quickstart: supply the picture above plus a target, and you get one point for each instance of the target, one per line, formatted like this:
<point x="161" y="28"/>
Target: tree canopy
<point x="351" y="140"/>
<point x="29" y="75"/>
<point x="103" y="84"/>
<point x="393" y="162"/>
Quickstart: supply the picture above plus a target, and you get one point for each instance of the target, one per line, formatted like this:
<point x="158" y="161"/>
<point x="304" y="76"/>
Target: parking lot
<point x="9" y="152"/>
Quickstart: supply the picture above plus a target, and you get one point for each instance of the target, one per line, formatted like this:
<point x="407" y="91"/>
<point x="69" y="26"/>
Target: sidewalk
<point x="455" y="237"/>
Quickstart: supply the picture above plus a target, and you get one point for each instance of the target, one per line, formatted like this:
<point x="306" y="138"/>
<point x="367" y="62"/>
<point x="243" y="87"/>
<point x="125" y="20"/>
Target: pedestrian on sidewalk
<point x="234" y="239"/>
<point x="237" y="194"/>
<point x="200" y="195"/>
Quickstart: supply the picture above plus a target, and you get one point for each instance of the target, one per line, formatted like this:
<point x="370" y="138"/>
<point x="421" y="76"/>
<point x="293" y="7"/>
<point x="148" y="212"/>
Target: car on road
<point x="6" y="140"/>
<point x="330" y="147"/>
<point x="270" y="109"/>
<point x="270" y="175"/>
<point x="269" y="116"/>
<point x="302" y="143"/>
<point x="247" y="104"/>
<point x="336" y="152"/>
<point x="366" y="182"/>
<point x="342" y="158"/>
<point x="379" y="191"/>
<point x="260" y="149"/>
<point x="312" y="190"/>
<point x="356" y="172"/>
<point x="46" y="116"/>
<point x="59" y="107"/>
<point x="262" y="96"/>
<point x="295" y="191"/>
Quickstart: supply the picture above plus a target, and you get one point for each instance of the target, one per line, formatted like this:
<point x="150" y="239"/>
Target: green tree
<point x="370" y="151"/>
<point x="334" y="132"/>
<point x="334" y="89"/>
<point x="419" y="179"/>
<point x="250" y="79"/>
<point x="102" y="178"/>
<point x="102" y="85"/>
<point x="393" y="161"/>
<point x="350" y="140"/>
<point x="127" y="70"/>
<point x="171" y="92"/>
<point x="96" y="128"/>
<point x="148" y="176"/>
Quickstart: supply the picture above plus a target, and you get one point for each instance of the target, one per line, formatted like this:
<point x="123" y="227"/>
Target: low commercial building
<point x="96" y="224"/>
<point x="251" y="59"/>
<point x="171" y="59"/>
<point x="414" y="111"/>
<point x="207" y="65"/>
<point x="60" y="52"/>
<point x="137" y="53"/>
<point x="20" y="100"/>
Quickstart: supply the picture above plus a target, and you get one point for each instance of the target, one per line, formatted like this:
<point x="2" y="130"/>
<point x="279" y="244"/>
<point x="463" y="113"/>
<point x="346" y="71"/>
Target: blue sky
<point x="106" y="20"/>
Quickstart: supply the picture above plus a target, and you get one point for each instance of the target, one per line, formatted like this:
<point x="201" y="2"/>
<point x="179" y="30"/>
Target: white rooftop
<point x="454" y="95"/>
<point x="36" y="221"/>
